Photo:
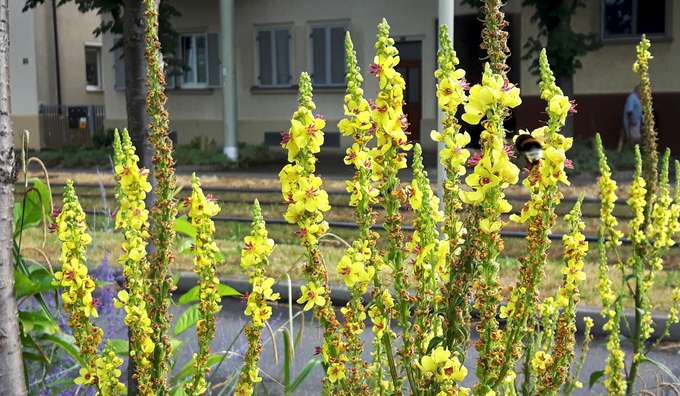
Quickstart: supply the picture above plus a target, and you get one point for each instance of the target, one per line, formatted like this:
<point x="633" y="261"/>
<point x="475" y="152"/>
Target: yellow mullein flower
<point x="312" y="295"/>
<point x="201" y="209"/>
<point x="78" y="286"/>
<point x="254" y="260"/>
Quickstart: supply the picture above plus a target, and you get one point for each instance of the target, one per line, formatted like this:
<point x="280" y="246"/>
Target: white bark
<point x="11" y="364"/>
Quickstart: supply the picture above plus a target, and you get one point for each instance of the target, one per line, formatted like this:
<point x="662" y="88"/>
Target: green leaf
<point x="186" y="320"/>
<point x="663" y="368"/>
<point x="184" y="227"/>
<point x="37" y="321"/>
<point x="188" y="368"/>
<point x="32" y="208"/>
<point x="178" y="390"/>
<point x="65" y="342"/>
<point x="287" y="349"/>
<point x="192" y="294"/>
<point x="118" y="346"/>
<point x="594" y="378"/>
<point x="303" y="374"/>
<point x="40" y="281"/>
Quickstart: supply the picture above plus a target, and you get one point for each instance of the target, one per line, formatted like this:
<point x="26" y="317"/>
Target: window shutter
<point x="214" y="63"/>
<point x="118" y="69"/>
<point x="283" y="76"/>
<point x="319" y="55"/>
<point x="337" y="55"/>
<point x="264" y="45"/>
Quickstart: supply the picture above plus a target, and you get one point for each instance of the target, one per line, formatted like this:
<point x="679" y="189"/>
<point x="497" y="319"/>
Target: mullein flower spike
<point x="201" y="210"/>
<point x="100" y="371"/>
<point x="163" y="214"/>
<point x="254" y="260"/>
<point x="609" y="239"/>
<point x="132" y="218"/>
<point x="307" y="202"/>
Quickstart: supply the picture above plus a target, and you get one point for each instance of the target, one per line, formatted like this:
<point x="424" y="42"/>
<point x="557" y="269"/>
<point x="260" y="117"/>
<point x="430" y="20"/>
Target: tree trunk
<point x="11" y="363"/>
<point x="567" y="85"/>
<point x="135" y="80"/>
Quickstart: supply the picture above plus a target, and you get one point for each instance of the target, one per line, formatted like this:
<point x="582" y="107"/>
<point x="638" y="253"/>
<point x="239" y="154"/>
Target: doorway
<point x="411" y="68"/>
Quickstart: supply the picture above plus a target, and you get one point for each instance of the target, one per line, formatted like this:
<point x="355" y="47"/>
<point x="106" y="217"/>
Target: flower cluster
<point x="201" y="210"/>
<point x="77" y="296"/>
<point x="430" y="255"/>
<point x="557" y="369"/>
<point x="254" y="259"/>
<point x="445" y="370"/>
<point x="609" y="238"/>
<point x="307" y="201"/>
<point x="132" y="218"/>
<point x="649" y="135"/>
<point x="637" y="203"/>
<point x="494" y="171"/>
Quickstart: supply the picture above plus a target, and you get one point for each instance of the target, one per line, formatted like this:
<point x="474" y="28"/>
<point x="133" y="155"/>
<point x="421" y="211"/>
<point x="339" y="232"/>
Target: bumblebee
<point x="529" y="147"/>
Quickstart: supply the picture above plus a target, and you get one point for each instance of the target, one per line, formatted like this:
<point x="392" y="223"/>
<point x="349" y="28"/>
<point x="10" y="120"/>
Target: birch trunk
<point x="11" y="364"/>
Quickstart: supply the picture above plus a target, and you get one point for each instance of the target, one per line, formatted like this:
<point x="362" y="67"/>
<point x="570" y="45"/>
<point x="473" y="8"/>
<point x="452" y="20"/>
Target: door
<point x="410" y="67"/>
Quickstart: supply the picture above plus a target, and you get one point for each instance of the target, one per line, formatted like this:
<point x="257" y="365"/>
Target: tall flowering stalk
<point x="254" y="260"/>
<point x="429" y="256"/>
<point x="164" y="211"/>
<point x="100" y="371"/>
<point x="491" y="100"/>
<point x="132" y="218"/>
<point x="439" y="370"/>
<point x="388" y="157"/>
<point x="609" y="238"/>
<point x="307" y="202"/>
<point x="649" y="144"/>
<point x="451" y="86"/>
<point x="555" y="371"/>
<point x="539" y="214"/>
<point x="358" y="265"/>
<point x="201" y="210"/>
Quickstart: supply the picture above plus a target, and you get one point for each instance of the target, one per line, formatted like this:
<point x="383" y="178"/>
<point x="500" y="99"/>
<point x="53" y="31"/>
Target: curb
<point x="340" y="296"/>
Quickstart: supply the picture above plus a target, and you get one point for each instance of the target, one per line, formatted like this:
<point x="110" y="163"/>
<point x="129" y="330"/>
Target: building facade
<point x="275" y="40"/>
<point x="55" y="71"/>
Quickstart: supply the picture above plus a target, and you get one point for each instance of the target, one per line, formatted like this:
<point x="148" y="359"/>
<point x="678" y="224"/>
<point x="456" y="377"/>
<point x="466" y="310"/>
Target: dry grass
<point x="288" y="258"/>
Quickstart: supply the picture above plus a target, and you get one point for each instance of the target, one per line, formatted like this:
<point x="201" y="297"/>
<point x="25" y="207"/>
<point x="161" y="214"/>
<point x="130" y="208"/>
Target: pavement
<point x="231" y="320"/>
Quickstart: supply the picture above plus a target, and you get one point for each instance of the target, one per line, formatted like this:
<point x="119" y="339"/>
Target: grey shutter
<point x="264" y="46"/>
<point x="282" y="42"/>
<point x="319" y="56"/>
<point x="214" y="63"/>
<point x="118" y="69"/>
<point x="337" y="55"/>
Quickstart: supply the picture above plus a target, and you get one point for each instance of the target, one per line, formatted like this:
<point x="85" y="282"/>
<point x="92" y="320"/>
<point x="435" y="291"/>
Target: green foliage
<point x="585" y="162"/>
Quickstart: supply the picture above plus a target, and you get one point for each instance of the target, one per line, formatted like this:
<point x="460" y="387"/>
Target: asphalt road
<point x="231" y="320"/>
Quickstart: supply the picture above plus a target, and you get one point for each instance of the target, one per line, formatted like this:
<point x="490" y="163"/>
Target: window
<point x="328" y="54"/>
<point x="93" y="56"/>
<point x="194" y="50"/>
<point x="631" y="18"/>
<point x="273" y="56"/>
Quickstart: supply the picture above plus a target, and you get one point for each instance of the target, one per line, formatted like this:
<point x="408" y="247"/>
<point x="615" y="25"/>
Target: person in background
<point x="632" y="119"/>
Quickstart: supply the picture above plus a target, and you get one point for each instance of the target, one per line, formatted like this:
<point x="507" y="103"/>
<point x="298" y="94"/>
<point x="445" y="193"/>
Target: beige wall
<point x="609" y="69"/>
<point x="199" y="113"/>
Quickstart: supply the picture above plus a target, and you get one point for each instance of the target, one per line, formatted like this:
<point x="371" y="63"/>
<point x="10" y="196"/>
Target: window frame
<point x="100" y="86"/>
<point x="194" y="85"/>
<point x="327" y="26"/>
<point x="634" y="37"/>
<point x="272" y="28"/>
